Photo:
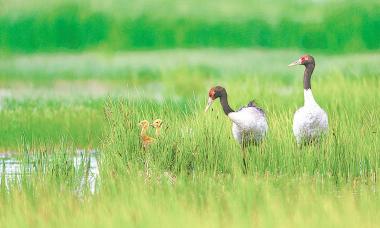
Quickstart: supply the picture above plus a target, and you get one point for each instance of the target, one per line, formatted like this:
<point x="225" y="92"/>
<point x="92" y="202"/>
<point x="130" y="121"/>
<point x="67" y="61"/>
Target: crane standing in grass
<point x="249" y="123"/>
<point x="310" y="121"/>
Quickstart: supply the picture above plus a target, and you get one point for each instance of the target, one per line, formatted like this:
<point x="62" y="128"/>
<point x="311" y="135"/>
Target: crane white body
<point x="310" y="121"/>
<point x="249" y="124"/>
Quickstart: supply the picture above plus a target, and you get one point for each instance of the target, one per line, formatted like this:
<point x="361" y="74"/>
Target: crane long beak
<point x="209" y="103"/>
<point x="298" y="62"/>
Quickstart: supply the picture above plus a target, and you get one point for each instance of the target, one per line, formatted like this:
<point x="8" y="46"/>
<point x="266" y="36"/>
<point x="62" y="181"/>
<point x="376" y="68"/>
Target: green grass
<point x="33" y="123"/>
<point x="331" y="27"/>
<point x="204" y="201"/>
<point x="192" y="176"/>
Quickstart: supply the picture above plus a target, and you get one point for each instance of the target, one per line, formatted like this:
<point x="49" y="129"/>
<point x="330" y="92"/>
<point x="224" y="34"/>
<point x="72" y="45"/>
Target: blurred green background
<point x="116" y="25"/>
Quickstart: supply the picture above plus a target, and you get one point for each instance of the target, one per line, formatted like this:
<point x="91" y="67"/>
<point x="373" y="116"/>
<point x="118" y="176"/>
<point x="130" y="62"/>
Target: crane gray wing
<point x="252" y="104"/>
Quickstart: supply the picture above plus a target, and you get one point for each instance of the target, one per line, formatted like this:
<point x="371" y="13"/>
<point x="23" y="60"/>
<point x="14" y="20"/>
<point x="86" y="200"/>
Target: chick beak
<point x="298" y="62"/>
<point x="209" y="103"/>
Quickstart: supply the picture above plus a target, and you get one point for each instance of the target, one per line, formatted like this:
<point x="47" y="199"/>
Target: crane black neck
<point x="224" y="102"/>
<point x="309" y="68"/>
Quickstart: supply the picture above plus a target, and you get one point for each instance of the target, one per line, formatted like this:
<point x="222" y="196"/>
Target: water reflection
<point x="84" y="162"/>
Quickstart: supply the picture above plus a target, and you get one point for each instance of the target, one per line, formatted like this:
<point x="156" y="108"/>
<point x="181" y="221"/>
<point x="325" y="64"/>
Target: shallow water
<point x="14" y="167"/>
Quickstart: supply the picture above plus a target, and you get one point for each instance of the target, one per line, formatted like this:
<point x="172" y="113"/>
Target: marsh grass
<point x="30" y="123"/>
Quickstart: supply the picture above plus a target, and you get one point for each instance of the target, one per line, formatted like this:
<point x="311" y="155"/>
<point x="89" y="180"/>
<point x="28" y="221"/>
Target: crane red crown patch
<point x="304" y="58"/>
<point x="211" y="93"/>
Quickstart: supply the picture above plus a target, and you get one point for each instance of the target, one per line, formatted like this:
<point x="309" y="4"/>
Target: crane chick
<point x="146" y="140"/>
<point x="157" y="124"/>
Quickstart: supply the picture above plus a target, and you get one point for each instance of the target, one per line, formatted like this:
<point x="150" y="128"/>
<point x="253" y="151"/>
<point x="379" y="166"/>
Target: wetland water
<point x="83" y="163"/>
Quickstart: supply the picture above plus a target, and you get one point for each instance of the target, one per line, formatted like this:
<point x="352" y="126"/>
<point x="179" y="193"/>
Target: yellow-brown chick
<point x="157" y="124"/>
<point x="146" y="140"/>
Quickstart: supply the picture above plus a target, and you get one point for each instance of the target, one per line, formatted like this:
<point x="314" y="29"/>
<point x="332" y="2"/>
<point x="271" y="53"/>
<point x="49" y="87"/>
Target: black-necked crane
<point x="310" y="121"/>
<point x="249" y="124"/>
